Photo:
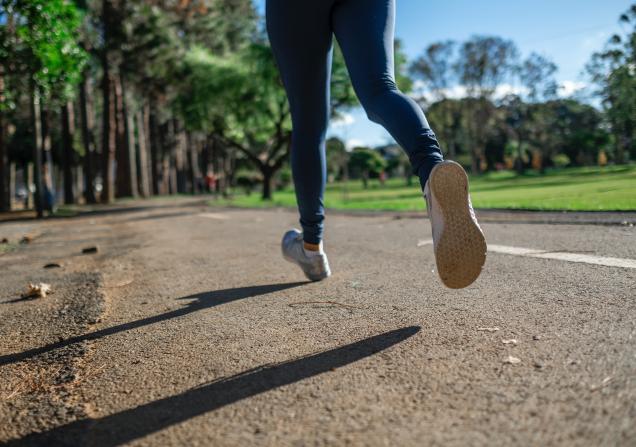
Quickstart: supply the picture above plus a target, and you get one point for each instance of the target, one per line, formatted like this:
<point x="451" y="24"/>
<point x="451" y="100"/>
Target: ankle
<point x="312" y="249"/>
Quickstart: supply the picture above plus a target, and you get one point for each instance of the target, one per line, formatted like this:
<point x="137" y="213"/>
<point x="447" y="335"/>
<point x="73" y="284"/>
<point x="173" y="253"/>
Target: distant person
<point x="210" y="182"/>
<point x="301" y="34"/>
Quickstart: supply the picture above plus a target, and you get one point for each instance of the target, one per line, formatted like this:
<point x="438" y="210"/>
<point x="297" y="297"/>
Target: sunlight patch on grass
<point x="574" y="189"/>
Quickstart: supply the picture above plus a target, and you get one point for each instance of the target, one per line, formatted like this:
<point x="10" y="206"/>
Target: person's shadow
<point x="201" y="301"/>
<point x="134" y="423"/>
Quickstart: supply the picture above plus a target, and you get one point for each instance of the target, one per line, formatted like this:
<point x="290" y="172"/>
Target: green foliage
<point x="39" y="39"/>
<point x="613" y="70"/>
<point x="337" y="157"/>
<point x="484" y="63"/>
<point x="365" y="162"/>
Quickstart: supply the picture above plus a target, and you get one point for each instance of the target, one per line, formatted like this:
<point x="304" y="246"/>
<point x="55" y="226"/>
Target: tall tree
<point x="435" y="68"/>
<point x="484" y="63"/>
<point x="39" y="42"/>
<point x="613" y="70"/>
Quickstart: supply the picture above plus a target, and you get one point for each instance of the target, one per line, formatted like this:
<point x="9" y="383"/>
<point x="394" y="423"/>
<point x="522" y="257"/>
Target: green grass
<point x="580" y="189"/>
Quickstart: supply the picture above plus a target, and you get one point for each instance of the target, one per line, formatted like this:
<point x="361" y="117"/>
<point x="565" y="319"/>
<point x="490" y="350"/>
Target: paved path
<point x="188" y="328"/>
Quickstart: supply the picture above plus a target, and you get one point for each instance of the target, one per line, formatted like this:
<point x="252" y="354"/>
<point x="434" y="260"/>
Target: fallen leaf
<point x="488" y="329"/>
<point x="37" y="290"/>
<point x="512" y="360"/>
<point x="88" y="250"/>
<point x="512" y="341"/>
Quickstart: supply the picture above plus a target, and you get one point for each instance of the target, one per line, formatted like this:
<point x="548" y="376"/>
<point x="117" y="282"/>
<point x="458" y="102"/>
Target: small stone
<point x="536" y="337"/>
<point x="538" y="365"/>
<point x="88" y="250"/>
<point x="4" y="241"/>
<point x="510" y="360"/>
<point x="512" y="341"/>
<point x="26" y="239"/>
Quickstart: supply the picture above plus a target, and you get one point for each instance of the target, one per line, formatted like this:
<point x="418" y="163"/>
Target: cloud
<point x="344" y="120"/>
<point x="569" y="88"/>
<point x="353" y="142"/>
<point x="460" y="91"/>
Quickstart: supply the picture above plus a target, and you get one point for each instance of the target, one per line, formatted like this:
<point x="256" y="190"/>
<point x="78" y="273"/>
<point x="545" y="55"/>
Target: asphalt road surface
<point x="187" y="327"/>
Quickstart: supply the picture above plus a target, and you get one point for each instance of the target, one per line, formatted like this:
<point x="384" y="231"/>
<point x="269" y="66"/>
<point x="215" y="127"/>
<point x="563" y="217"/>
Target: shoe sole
<point x="461" y="250"/>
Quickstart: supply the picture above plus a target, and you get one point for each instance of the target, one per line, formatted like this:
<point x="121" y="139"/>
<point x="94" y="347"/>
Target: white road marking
<point x="214" y="216"/>
<point x="556" y="255"/>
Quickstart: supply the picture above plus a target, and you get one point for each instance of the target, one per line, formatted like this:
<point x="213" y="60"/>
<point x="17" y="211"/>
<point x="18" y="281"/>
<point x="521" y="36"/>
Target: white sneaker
<point x="459" y="244"/>
<point x="315" y="267"/>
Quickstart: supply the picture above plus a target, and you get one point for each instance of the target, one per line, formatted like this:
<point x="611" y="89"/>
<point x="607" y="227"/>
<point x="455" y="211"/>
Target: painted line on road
<point x="216" y="216"/>
<point x="556" y="255"/>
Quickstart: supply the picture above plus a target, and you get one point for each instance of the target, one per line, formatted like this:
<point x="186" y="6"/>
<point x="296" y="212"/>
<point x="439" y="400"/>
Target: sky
<point x="566" y="31"/>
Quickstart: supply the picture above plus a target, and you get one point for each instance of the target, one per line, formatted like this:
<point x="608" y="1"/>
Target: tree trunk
<point x="141" y="117"/>
<point x="48" y="176"/>
<point x="129" y="122"/>
<point x="122" y="174"/>
<point x="68" y="131"/>
<point x="5" y="196"/>
<point x="179" y="146"/>
<point x="37" y="150"/>
<point x="268" y="182"/>
<point x="87" y="122"/>
<point x="193" y="163"/>
<point x="108" y="134"/>
<point x="519" y="163"/>
<point x="155" y="148"/>
<point x="12" y="181"/>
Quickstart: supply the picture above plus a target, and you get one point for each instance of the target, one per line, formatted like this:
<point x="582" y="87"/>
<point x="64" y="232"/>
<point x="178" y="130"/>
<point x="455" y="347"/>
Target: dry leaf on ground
<point x="37" y="290"/>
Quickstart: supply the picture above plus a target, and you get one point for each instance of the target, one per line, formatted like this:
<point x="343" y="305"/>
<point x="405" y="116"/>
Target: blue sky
<point x="566" y="31"/>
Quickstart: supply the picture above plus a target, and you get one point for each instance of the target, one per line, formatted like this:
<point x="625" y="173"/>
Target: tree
<point x="39" y="42"/>
<point x="613" y="70"/>
<point x="435" y="68"/>
<point x="365" y="162"/>
<point x="536" y="74"/>
<point x="484" y="63"/>
<point x="337" y="159"/>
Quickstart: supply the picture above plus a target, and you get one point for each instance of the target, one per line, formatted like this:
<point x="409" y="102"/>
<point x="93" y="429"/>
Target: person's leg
<point x="301" y="39"/>
<point x="365" y="29"/>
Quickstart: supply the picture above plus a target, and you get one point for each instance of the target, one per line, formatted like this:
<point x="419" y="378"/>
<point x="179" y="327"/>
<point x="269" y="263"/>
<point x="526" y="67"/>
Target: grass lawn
<point x="608" y="188"/>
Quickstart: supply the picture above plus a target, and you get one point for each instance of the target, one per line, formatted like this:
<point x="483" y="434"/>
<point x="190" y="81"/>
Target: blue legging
<point x="300" y="33"/>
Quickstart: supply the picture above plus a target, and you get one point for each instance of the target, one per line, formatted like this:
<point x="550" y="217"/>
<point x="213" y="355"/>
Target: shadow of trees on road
<point x="140" y="421"/>
<point x="201" y="301"/>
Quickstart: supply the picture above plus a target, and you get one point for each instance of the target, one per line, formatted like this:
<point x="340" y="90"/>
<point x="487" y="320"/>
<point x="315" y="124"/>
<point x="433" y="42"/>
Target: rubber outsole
<point x="460" y="252"/>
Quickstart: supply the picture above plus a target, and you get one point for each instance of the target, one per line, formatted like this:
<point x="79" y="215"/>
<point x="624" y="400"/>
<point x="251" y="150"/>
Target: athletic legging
<point x="300" y="33"/>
